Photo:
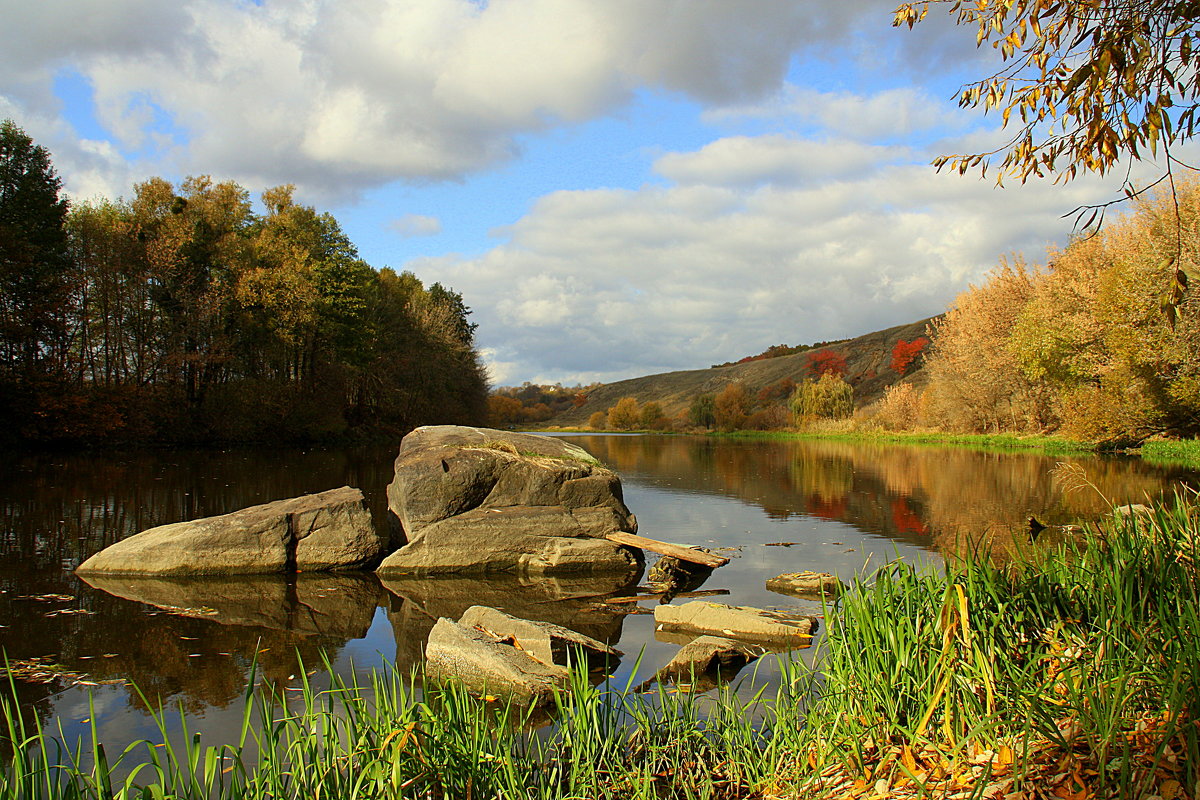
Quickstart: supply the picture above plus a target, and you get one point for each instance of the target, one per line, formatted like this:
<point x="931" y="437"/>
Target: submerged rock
<point x="545" y="641"/>
<point x="485" y="664"/>
<point x="807" y="584"/>
<point x="672" y="575"/>
<point x="331" y="530"/>
<point x="570" y="601"/>
<point x="706" y="662"/>
<point x="476" y="500"/>
<point x="736" y="622"/>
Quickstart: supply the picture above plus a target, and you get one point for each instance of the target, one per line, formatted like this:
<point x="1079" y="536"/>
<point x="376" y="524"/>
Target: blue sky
<point x="617" y="188"/>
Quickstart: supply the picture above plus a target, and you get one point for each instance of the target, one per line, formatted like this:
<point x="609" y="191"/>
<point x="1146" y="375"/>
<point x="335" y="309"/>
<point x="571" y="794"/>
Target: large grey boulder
<point x="476" y="500"/>
<point x="736" y="622"/>
<point x="330" y="530"/>
<point x="485" y="664"/>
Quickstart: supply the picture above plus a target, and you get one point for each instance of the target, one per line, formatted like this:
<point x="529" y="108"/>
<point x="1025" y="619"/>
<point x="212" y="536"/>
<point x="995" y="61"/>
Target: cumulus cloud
<point x="746" y="160"/>
<point x="885" y="115"/>
<point x="605" y="284"/>
<point x="415" y="225"/>
<point x="339" y="95"/>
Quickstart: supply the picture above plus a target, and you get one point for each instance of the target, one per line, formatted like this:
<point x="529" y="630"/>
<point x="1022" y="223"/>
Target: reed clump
<point x="1065" y="674"/>
<point x="1069" y="674"/>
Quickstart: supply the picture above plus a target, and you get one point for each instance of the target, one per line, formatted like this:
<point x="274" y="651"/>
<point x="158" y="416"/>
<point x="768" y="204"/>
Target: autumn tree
<point x="503" y="411"/>
<point x="1084" y="84"/>
<point x="731" y="407"/>
<point x="597" y="420"/>
<point x="826" y="362"/>
<point x="905" y="353"/>
<point x="625" y="415"/>
<point x="1093" y="330"/>
<point x="653" y="417"/>
<point x="976" y="382"/>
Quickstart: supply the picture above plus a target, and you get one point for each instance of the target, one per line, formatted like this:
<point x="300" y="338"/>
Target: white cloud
<point x="746" y="161"/>
<point x="885" y="115"/>
<point x="604" y="284"/>
<point x="415" y="225"/>
<point x="339" y="95"/>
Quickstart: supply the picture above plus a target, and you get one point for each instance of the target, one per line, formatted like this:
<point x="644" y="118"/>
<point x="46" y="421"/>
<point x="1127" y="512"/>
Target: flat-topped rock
<point x="807" y="584"/>
<point x="484" y="664"/>
<point x="545" y="641"/>
<point x="735" y="622"/>
<point x="477" y="500"/>
<point x="331" y="530"/>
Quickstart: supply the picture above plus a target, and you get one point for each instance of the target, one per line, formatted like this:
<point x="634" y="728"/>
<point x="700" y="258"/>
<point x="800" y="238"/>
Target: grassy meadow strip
<point x="1072" y="673"/>
<point x="977" y="441"/>
<point x="1175" y="451"/>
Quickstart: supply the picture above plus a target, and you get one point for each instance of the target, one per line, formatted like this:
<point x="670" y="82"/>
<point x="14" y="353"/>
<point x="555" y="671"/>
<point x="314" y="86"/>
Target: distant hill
<point x="868" y="370"/>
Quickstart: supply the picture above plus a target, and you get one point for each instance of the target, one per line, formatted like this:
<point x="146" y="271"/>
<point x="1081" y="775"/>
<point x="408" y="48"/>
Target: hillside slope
<point x="867" y="369"/>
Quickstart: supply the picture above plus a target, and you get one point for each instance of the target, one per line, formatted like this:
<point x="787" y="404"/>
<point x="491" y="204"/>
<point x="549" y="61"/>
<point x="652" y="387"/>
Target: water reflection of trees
<point x="948" y="497"/>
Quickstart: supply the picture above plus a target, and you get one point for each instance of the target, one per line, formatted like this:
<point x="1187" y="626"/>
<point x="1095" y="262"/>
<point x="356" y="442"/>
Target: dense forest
<point x="183" y="315"/>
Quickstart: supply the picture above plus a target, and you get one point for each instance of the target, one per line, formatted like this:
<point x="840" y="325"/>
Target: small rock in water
<point x="737" y="622"/>
<point x="806" y="584"/>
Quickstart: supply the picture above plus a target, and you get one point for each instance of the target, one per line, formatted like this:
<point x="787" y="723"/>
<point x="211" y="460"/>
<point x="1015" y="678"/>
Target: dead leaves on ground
<point x="1044" y="770"/>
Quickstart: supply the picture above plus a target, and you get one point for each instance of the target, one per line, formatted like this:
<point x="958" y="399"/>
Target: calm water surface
<point x="771" y="506"/>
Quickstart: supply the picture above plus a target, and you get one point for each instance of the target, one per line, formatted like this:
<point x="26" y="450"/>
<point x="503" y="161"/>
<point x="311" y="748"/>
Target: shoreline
<point x="1181" y="452"/>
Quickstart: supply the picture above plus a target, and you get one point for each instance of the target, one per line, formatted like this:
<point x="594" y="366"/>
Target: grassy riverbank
<point x="980" y="441"/>
<point x="1184" y="452"/>
<point x="1070" y="673"/>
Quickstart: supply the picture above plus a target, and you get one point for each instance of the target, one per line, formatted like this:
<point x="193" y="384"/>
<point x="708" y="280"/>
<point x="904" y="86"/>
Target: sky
<point x="616" y="187"/>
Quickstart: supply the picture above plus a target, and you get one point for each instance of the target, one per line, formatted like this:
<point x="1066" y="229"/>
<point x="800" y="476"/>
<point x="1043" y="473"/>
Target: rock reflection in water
<point x="199" y="639"/>
<point x="573" y="602"/>
<point x="338" y="606"/>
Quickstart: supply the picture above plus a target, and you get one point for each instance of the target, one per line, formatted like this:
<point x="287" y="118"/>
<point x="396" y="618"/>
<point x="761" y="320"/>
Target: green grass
<point x="979" y="441"/>
<point x="1178" y="451"/>
<point x="1074" y="670"/>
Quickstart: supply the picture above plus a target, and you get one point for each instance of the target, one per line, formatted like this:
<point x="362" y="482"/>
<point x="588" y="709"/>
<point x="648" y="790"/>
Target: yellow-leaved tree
<point x="1084" y="84"/>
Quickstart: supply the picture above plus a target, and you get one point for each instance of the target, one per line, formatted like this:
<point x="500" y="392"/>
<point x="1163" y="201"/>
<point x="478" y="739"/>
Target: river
<point x="771" y="506"/>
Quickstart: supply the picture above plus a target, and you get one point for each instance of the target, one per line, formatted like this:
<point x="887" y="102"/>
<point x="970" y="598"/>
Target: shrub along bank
<point x="1071" y="673"/>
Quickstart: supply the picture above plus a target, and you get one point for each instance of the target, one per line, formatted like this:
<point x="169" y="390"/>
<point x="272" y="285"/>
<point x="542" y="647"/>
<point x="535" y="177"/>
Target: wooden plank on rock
<point x="667" y="549"/>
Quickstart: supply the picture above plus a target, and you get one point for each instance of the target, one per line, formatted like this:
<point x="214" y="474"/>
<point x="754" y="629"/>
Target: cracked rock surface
<point x="476" y="501"/>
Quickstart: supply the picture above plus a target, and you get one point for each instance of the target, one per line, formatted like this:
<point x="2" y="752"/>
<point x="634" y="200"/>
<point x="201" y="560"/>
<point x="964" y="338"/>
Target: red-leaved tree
<point x="826" y="362"/>
<point x="904" y="353"/>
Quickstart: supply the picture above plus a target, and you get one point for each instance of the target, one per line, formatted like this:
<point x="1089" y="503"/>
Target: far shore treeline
<point x="182" y="315"/>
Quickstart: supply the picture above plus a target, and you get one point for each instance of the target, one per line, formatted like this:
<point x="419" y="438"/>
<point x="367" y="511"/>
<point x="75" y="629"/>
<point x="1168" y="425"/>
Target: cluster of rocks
<point x="463" y="501"/>
<point x="537" y="516"/>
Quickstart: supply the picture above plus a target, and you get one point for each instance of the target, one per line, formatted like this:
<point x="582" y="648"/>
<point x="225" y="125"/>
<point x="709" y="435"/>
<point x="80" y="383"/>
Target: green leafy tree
<point x="829" y="397"/>
<point x="703" y="411"/>
<point x="35" y="268"/>
<point x="653" y="417"/>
